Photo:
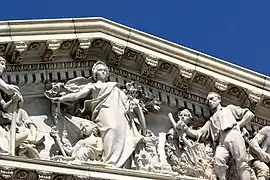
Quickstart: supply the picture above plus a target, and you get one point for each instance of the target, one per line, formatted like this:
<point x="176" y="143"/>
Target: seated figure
<point x="89" y="148"/>
<point x="11" y="102"/>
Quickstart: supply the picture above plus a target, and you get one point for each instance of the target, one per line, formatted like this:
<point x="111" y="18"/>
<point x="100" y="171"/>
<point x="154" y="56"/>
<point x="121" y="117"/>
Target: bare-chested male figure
<point x="260" y="150"/>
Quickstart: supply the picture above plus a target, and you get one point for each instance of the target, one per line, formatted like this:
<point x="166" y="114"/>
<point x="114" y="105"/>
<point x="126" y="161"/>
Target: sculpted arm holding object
<point x="74" y="96"/>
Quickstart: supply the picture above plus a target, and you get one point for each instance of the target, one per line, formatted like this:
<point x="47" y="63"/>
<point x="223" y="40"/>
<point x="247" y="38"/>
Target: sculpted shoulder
<point x="265" y="130"/>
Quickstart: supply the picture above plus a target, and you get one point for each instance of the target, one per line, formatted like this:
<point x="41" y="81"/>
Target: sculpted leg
<point x="237" y="148"/>
<point x="221" y="158"/>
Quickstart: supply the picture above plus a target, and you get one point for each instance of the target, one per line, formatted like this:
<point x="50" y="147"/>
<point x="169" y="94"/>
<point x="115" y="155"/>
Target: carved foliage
<point x="82" y="49"/>
<point x="149" y="102"/>
<point x="98" y="43"/>
<point x="149" y="66"/>
<point x="18" y="53"/>
<point x="180" y="158"/>
<point x="254" y="98"/>
<point x="182" y="81"/>
<point x="116" y="54"/>
<point x="50" y="52"/>
<point x="146" y="156"/>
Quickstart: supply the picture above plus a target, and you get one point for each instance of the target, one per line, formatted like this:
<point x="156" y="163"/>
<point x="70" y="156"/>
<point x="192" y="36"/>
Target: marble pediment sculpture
<point x="90" y="98"/>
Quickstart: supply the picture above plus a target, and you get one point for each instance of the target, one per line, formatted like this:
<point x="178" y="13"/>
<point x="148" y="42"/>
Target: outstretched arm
<point x="75" y="96"/>
<point x="181" y="126"/>
<point x="8" y="88"/>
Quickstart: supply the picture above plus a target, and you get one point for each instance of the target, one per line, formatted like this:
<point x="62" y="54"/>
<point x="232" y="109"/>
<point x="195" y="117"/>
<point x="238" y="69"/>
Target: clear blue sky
<point x="237" y="31"/>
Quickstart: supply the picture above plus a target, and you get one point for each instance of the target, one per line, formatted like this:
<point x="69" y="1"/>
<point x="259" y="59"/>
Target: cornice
<point x="14" y="167"/>
<point x="80" y="28"/>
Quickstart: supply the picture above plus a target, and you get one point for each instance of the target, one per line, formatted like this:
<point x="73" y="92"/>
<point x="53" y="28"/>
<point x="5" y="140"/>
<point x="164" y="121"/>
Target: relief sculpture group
<point x="96" y="120"/>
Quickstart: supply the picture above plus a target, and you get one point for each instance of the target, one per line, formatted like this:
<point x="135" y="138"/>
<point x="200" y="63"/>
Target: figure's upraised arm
<point x="181" y="126"/>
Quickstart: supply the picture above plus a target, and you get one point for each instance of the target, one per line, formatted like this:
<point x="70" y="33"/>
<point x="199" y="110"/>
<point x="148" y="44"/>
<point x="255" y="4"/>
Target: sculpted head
<point x="213" y="100"/>
<point x="87" y="129"/>
<point x="185" y="116"/>
<point x="100" y="71"/>
<point x="2" y="65"/>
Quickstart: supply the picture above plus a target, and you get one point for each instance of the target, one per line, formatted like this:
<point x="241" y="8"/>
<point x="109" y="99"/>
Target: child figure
<point x="89" y="148"/>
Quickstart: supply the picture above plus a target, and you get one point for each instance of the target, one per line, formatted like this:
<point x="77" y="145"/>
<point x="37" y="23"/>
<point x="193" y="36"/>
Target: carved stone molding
<point x="131" y="55"/>
<point x="260" y="121"/>
<point x="254" y="99"/>
<point x="3" y="48"/>
<point x="182" y="81"/>
<point x="24" y="174"/>
<point x="50" y="52"/>
<point x="7" y="173"/>
<point x="44" y="175"/>
<point x="66" y="45"/>
<point x="234" y="91"/>
<point x="157" y="85"/>
<point x="266" y="103"/>
<point x="165" y="66"/>
<point x="18" y="52"/>
<point x="221" y="86"/>
<point x="59" y="177"/>
<point x="149" y="66"/>
<point x="116" y="54"/>
<point x="200" y="79"/>
<point x="82" y="49"/>
<point x="34" y="46"/>
<point x="98" y="43"/>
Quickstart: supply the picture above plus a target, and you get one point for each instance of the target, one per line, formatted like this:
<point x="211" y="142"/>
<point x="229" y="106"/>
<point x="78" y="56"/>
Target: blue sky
<point x="237" y="31"/>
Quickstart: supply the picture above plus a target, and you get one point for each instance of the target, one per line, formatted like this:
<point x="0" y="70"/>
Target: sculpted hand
<point x="57" y="100"/>
<point x="31" y="139"/>
<point x="16" y="97"/>
<point x="181" y="126"/>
